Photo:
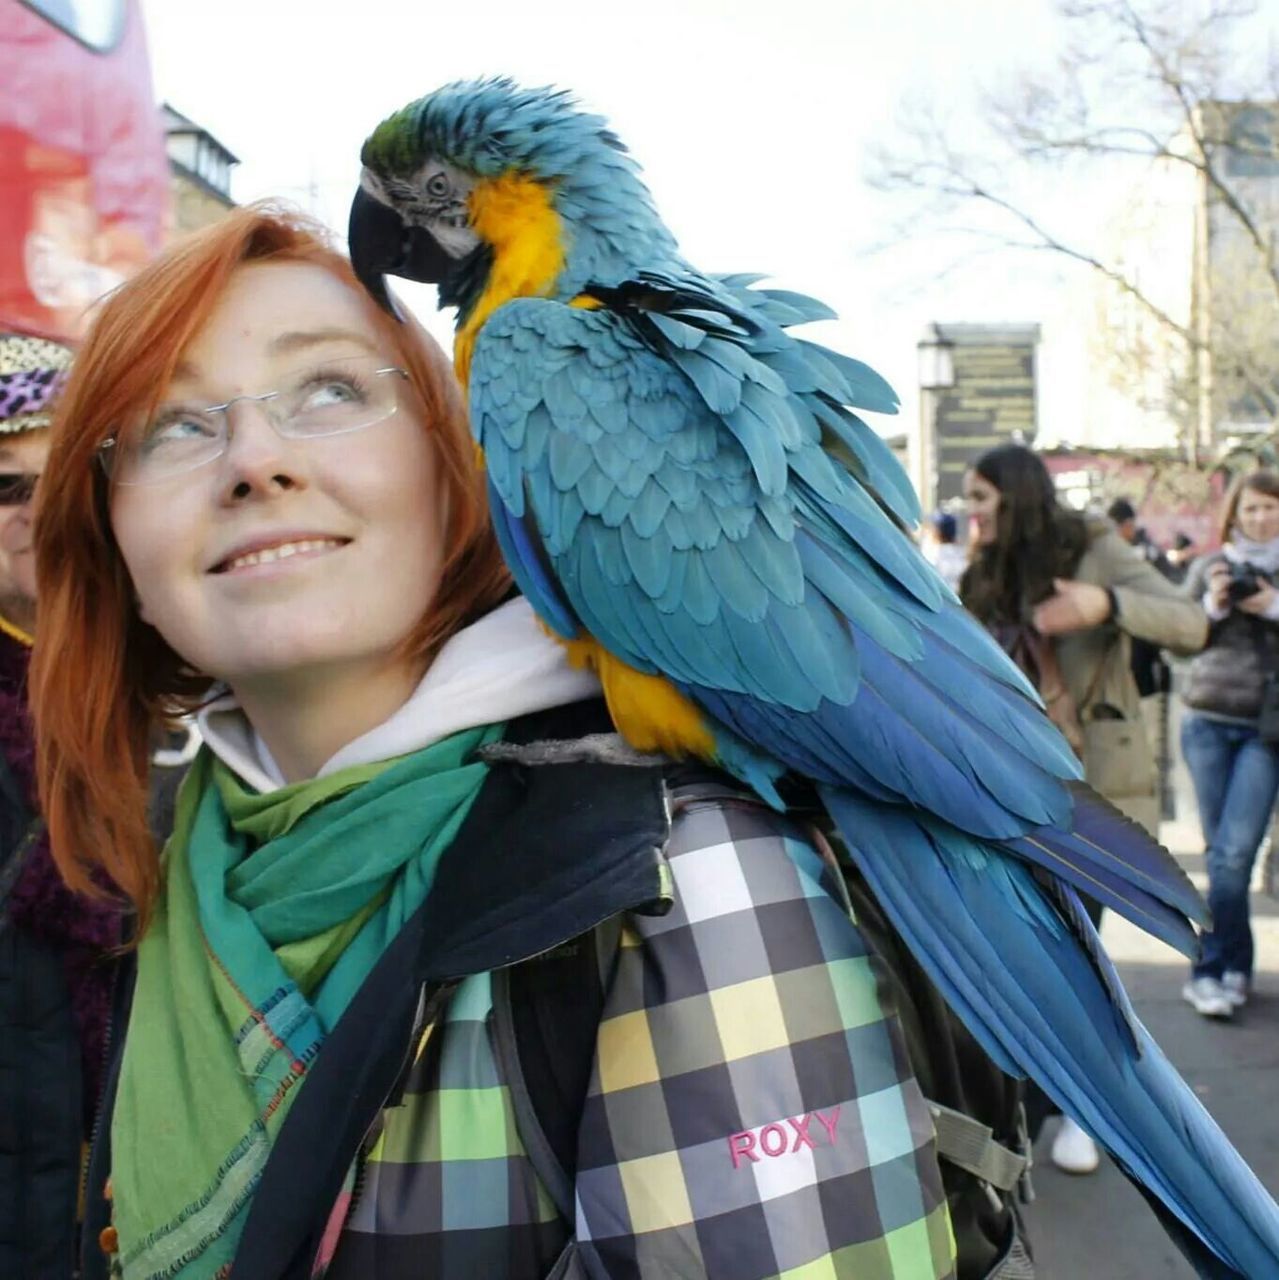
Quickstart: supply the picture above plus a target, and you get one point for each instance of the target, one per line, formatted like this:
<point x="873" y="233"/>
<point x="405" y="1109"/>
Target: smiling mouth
<point x="283" y="551"/>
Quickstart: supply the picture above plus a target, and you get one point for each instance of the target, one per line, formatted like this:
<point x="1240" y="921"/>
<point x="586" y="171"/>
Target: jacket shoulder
<point x="1106" y="548"/>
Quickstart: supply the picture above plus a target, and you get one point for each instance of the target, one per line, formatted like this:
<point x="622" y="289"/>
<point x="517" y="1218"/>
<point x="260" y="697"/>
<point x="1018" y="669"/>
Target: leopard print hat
<point x="32" y="371"/>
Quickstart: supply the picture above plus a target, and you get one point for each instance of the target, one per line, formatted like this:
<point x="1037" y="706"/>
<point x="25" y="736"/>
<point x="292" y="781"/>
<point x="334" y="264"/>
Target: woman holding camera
<point x="1230" y="737"/>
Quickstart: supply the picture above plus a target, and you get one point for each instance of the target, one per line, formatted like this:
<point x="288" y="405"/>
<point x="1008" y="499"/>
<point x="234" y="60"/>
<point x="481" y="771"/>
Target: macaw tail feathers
<point x="1115" y="860"/>
<point x="1022" y="966"/>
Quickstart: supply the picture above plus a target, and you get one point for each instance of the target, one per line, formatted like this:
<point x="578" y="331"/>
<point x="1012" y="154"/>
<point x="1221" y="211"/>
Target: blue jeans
<point x="1236" y="777"/>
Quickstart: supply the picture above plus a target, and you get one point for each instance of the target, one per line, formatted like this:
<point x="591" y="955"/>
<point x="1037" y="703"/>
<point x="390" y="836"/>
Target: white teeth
<point x="269" y="555"/>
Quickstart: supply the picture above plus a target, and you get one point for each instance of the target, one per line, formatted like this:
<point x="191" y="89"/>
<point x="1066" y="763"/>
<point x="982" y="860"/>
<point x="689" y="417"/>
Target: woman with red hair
<point x="433" y="977"/>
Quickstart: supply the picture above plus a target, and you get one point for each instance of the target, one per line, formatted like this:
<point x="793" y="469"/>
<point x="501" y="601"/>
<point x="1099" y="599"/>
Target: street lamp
<point x="936" y="356"/>
<point x="936" y="360"/>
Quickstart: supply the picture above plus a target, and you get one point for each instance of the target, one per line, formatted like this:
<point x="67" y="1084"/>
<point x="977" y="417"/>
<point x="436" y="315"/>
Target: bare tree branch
<point x="1144" y="87"/>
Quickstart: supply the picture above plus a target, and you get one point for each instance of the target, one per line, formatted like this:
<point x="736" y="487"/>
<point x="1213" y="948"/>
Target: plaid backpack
<point x="549" y="1008"/>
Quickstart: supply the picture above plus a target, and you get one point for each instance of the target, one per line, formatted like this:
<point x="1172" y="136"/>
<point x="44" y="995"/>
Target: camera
<point x="1245" y="581"/>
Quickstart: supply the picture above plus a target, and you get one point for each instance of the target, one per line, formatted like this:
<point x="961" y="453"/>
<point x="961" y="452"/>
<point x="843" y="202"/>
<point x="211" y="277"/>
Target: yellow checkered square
<point x="656" y="1197"/>
<point x="748" y="1017"/>
<point x="625" y="1053"/>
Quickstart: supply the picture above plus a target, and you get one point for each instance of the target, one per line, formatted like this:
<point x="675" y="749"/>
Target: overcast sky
<point x="752" y="119"/>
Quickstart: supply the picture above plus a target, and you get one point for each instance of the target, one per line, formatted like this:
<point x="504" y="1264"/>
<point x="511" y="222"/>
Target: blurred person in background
<point x="1230" y="734"/>
<point x="55" y="946"/>
<point x="1178" y="558"/>
<point x="1150" y="670"/>
<point x="1123" y="515"/>
<point x="1065" y="596"/>
<point x="942" y="550"/>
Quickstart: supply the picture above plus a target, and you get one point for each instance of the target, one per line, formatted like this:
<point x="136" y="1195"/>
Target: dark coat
<point x="55" y="990"/>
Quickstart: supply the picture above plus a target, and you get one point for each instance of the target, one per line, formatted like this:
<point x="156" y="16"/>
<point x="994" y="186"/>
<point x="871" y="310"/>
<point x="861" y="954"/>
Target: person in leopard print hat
<point x="32" y="371"/>
<point x="56" y="947"/>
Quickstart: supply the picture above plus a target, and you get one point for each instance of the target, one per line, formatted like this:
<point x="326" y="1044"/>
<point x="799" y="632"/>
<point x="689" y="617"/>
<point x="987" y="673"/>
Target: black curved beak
<point x="381" y="245"/>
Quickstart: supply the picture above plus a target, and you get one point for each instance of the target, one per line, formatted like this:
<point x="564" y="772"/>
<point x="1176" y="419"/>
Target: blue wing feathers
<point x="543" y="591"/>
<point x="1098" y="826"/>
<point x="809" y="308"/>
<point x="866" y="388"/>
<point x="692" y="488"/>
<point x="892" y="670"/>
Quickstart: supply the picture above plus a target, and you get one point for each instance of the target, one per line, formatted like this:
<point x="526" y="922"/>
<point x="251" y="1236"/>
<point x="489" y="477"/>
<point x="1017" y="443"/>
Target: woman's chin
<point x="296" y="654"/>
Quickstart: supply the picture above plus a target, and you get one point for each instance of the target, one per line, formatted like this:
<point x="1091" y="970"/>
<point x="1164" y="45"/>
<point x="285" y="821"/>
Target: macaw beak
<point x="381" y="244"/>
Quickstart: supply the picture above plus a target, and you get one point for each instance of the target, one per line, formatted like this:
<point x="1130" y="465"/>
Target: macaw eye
<point x="437" y="185"/>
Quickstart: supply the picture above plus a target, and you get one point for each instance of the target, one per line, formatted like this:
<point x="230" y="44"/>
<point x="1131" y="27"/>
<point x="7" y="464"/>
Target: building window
<point x="197" y="154"/>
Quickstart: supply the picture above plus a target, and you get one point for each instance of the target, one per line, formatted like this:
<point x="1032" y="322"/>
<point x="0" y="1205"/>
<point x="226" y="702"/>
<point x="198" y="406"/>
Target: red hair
<point x="101" y="678"/>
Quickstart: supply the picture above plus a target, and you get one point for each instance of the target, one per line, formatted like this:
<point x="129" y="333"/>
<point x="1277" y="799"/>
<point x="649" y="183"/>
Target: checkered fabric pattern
<point x="751" y="1115"/>
<point x="447" y="1189"/>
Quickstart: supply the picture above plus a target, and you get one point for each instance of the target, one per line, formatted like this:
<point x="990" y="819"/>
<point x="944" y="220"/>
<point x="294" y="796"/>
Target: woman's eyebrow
<point x="289" y="342"/>
<point x="301" y="339"/>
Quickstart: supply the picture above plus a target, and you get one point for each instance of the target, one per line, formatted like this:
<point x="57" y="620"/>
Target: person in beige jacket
<point x="1065" y="595"/>
<point x="1095" y="659"/>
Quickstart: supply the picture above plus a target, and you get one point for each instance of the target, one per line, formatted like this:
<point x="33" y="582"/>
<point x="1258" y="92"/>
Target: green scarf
<point x="274" y="910"/>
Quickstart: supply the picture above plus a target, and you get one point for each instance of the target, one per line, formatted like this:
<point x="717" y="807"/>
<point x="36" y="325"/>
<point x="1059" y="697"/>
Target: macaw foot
<point x="649" y="712"/>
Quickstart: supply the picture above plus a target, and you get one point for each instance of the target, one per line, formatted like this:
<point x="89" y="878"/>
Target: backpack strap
<point x="546" y="1015"/>
<point x="971" y="1146"/>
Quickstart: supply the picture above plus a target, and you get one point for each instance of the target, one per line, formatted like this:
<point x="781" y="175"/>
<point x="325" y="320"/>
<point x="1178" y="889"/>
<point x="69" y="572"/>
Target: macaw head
<point x="485" y="187"/>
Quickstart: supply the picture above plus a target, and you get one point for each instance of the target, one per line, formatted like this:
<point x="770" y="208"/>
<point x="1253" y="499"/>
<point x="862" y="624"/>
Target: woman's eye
<point x="331" y="391"/>
<point x="179" y="428"/>
<point x="437" y="185"/>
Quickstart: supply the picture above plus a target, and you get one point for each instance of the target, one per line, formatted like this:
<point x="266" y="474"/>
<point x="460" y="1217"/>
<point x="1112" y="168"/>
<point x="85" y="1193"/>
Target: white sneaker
<point x="1234" y="986"/>
<point x="1208" y="997"/>
<point x="1073" y="1151"/>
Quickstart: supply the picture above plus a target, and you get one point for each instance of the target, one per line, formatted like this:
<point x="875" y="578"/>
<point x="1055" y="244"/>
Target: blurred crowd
<point x="1095" y="614"/>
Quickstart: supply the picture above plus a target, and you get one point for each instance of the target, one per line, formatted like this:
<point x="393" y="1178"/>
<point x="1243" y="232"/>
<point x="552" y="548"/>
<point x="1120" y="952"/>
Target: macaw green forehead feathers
<point x="491" y="127"/>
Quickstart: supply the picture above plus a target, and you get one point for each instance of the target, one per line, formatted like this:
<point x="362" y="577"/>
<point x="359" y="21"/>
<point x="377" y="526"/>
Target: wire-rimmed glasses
<point x="323" y="398"/>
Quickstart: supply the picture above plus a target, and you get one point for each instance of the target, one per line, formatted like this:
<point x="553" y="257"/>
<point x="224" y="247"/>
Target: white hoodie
<point x="499" y="668"/>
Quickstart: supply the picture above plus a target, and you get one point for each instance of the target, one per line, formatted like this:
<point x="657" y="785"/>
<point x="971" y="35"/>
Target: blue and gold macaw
<point x="684" y="492"/>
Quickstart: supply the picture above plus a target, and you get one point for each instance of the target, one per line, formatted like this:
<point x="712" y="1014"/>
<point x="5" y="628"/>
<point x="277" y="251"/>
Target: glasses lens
<point x="336" y="396"/>
<point x="323" y="398"/>
<point x="16" y="489"/>
<point x="177" y="439"/>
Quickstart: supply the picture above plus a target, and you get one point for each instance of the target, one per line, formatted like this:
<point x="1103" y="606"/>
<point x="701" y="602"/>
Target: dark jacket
<point x="41" y="1098"/>
<point x="55" y="978"/>
<point x="1227" y="677"/>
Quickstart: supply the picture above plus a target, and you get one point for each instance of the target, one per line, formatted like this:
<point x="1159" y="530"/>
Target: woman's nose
<point x="257" y="457"/>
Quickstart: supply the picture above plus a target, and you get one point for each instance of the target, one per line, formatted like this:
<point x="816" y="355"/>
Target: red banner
<point x="83" y="171"/>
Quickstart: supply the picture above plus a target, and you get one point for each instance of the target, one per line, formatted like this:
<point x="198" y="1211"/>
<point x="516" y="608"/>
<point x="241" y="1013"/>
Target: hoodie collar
<point x="499" y="668"/>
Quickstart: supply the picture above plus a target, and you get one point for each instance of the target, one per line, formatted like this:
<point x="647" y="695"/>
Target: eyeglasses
<point x="17" y="488"/>
<point x="323" y="399"/>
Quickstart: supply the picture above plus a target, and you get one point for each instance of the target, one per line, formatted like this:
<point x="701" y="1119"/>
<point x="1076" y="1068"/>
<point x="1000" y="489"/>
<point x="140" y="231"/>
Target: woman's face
<point x="1257" y="516"/>
<point x="24" y="454"/>
<point x="983" y="508"/>
<point x="287" y="556"/>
